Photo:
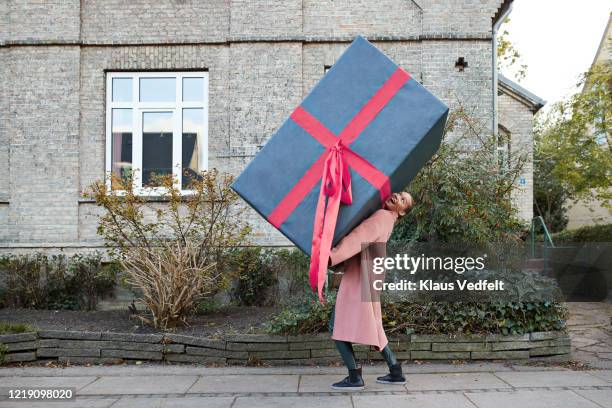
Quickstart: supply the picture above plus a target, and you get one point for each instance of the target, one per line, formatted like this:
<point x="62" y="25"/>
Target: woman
<point x="357" y="316"/>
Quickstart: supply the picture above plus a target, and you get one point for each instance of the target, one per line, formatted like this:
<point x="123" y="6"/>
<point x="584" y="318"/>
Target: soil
<point x="229" y="320"/>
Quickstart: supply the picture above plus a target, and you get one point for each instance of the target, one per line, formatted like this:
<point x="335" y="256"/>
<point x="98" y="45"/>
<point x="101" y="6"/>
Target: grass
<point x="12" y="328"/>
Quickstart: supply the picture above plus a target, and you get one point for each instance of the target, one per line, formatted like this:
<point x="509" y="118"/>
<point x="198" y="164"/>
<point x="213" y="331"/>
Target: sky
<point x="557" y="40"/>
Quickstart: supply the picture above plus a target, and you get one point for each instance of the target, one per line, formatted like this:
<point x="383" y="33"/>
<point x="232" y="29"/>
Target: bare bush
<point x="173" y="247"/>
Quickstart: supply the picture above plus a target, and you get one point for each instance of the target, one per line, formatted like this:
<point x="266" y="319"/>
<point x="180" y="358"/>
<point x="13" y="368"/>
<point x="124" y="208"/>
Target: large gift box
<point x="363" y="131"/>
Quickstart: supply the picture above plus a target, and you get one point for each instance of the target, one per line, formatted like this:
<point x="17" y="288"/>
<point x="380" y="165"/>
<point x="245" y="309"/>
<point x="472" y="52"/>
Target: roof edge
<point x="533" y="102"/>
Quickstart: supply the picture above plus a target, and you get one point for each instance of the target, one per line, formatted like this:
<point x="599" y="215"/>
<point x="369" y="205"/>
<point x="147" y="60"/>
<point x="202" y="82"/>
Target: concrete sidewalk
<point x="429" y="386"/>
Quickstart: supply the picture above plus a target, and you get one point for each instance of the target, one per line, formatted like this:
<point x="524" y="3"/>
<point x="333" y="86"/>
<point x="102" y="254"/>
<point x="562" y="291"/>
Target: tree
<point x="462" y="194"/>
<point x="573" y="150"/>
<point x="508" y="55"/>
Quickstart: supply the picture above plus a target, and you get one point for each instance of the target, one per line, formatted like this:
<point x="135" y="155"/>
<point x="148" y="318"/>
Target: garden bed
<point x="242" y="319"/>
<point x="83" y="347"/>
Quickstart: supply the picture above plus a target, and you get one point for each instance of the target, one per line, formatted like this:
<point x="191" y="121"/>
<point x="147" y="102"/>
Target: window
<point x="156" y="124"/>
<point x="504" y="139"/>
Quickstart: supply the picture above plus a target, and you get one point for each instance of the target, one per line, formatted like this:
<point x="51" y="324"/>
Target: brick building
<point x="92" y="86"/>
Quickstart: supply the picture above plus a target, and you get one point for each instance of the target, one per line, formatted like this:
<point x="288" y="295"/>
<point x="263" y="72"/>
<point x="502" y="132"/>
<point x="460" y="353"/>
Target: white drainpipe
<point x="495" y="30"/>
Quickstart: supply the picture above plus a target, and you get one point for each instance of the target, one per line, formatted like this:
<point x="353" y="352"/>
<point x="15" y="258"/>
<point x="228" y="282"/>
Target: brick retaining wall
<point x="78" y="347"/>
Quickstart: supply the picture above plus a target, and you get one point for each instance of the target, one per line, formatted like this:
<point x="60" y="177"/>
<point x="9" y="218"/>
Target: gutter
<point x="496" y="24"/>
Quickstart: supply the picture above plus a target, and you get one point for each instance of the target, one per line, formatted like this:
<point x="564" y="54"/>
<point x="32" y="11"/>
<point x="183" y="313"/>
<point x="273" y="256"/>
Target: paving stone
<point x="459" y="346"/>
<point x="257" y="346"/>
<point x="90" y="360"/>
<point x="453" y="381"/>
<point x="531" y="399"/>
<point x="500" y="355"/>
<point x="45" y="381"/>
<point x="444" y="338"/>
<point x="172" y="402"/>
<point x="187" y="358"/>
<point x="132" y="354"/>
<point x="201" y="351"/>
<point x="511" y="345"/>
<point x="196" y="341"/>
<point x="549" y="351"/>
<point x="74" y="403"/>
<point x="313" y="337"/>
<point x="296" y="402"/>
<point x="509" y="337"/>
<point x="256" y="338"/>
<point x="19" y="357"/>
<point x="18" y="337"/>
<point x="421" y="346"/>
<point x="550" y="379"/>
<point x="154" y="384"/>
<point x="549" y="335"/>
<point x="141" y="338"/>
<point x="284" y="354"/>
<point x="324" y="353"/>
<point x="76" y="335"/>
<point x="48" y="343"/>
<point x="246" y="383"/>
<point x="601" y="397"/>
<point x="412" y="401"/>
<point x="312" y="345"/>
<point x="174" y="348"/>
<point x="25" y="345"/>
<point x="57" y="352"/>
<point x="605" y="375"/>
<point x="107" y="344"/>
<point x="440" y="355"/>
<point x="399" y="338"/>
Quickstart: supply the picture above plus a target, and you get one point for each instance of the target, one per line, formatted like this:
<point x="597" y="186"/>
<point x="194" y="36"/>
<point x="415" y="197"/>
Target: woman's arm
<point x="353" y="243"/>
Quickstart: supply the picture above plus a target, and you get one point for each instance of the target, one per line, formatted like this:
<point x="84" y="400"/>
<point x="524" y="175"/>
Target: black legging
<point x="346" y="349"/>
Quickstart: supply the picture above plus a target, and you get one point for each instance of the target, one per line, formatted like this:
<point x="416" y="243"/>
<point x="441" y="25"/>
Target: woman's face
<point x="399" y="202"/>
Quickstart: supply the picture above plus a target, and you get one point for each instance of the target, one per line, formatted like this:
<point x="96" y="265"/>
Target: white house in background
<point x="579" y="212"/>
<point x="516" y="107"/>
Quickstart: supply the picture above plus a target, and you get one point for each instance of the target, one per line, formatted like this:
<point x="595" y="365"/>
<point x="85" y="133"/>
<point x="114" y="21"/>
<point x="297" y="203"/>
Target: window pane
<point x="121" y="146"/>
<point x="156" y="146"/>
<point x="157" y="89"/>
<point x="122" y="89"/>
<point x="193" y="146"/>
<point x="193" y="89"/>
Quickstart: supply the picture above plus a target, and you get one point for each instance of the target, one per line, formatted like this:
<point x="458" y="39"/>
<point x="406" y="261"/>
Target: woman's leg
<point x="344" y="347"/>
<point x="389" y="356"/>
<point x="395" y="375"/>
<point x="354" y="381"/>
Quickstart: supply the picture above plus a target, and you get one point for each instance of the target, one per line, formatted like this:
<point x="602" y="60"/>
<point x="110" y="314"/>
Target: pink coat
<point x="358" y="317"/>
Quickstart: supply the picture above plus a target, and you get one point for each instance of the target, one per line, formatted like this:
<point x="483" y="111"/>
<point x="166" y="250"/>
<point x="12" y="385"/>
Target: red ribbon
<point x="332" y="169"/>
<point x="336" y="184"/>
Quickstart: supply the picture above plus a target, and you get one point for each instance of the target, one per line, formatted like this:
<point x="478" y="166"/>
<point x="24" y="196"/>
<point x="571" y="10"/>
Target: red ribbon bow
<point x="336" y="189"/>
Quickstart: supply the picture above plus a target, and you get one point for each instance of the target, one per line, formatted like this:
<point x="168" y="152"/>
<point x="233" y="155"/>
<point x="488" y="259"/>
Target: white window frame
<point x="138" y="108"/>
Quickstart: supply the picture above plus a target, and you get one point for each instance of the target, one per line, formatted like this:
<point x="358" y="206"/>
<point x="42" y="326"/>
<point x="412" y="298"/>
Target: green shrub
<point x="255" y="280"/>
<point x="15" y="328"/>
<point x="473" y="317"/>
<point x="461" y="198"/>
<point x="206" y="306"/>
<point x="55" y="282"/>
<point x="590" y="233"/>
<point x="269" y="276"/>
<point x="306" y="316"/>
<point x="293" y="266"/>
<point x="432" y="318"/>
